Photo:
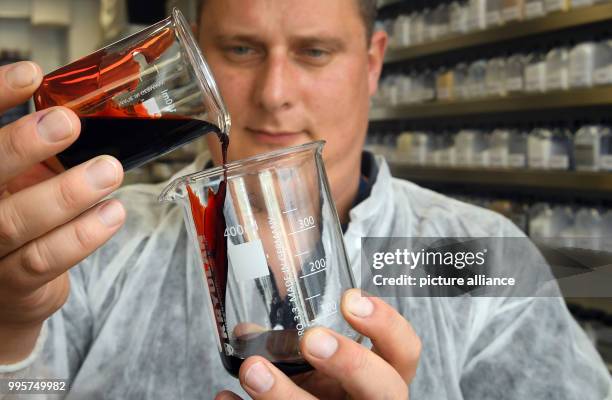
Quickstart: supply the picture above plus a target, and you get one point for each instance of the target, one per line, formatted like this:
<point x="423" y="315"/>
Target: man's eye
<point x="315" y="53"/>
<point x="241" y="50"/>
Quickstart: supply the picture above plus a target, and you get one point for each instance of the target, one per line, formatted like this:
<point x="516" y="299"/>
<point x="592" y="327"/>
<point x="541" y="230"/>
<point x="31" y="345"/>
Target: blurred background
<point x="502" y="103"/>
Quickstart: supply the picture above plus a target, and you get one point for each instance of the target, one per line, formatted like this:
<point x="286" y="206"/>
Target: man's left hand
<point x="343" y="368"/>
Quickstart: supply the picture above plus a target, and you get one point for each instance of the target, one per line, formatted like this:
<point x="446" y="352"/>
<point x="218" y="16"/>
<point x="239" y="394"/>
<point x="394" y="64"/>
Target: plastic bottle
<point x="539" y="148"/>
<point x="517" y="149"/>
<point x="405" y="88"/>
<point x="582" y="3"/>
<point x="556" y="5"/>
<point x="515" y="74"/>
<point x="429" y="86"/>
<point x="587" y="142"/>
<point x="513" y="10"/>
<point x="585" y="59"/>
<point x="494" y="13"/>
<point x="496" y="77"/>
<point x="603" y="69"/>
<point x="441" y="20"/>
<point x="445" y="86"/>
<point x="465" y="147"/>
<point x="477" y="79"/>
<point x="477" y="19"/>
<point x="428" y="25"/>
<point x="482" y="150"/>
<point x="420" y="147"/>
<point x="404" y="147"/>
<point x="540" y="221"/>
<point x="605" y="157"/>
<point x="459" y="14"/>
<point x="561" y="150"/>
<point x="587" y="228"/>
<point x="534" y="9"/>
<point x="460" y="80"/>
<point x="417" y="28"/>
<point x="401" y="31"/>
<point x="557" y="69"/>
<point x="535" y="73"/>
<point x="446" y="153"/>
<point x="500" y="148"/>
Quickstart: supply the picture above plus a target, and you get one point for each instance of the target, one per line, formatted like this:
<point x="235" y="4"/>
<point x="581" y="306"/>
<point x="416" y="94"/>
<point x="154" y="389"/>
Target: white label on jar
<point x="458" y="24"/>
<point x="512" y="13"/>
<point x="514" y="84"/>
<point x="585" y="154"/>
<point x="493" y="18"/>
<point x="559" y="162"/>
<point x="536" y="162"/>
<point x="430" y="159"/>
<point x="443" y="93"/>
<point x="534" y="10"/>
<point x="481" y="159"/>
<point x="579" y="80"/>
<point x="603" y="76"/>
<point x="498" y="158"/>
<point x="605" y="162"/>
<point x="516" y="160"/>
<point x="535" y="84"/>
<point x="417" y="156"/>
<point x="494" y="88"/>
<point x="535" y="77"/>
<point x="464" y="159"/>
<point x="445" y="158"/>
<point x="555" y="5"/>
<point x="581" y="3"/>
<point x="556" y="80"/>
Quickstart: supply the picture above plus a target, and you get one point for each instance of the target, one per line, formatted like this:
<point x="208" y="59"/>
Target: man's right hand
<point x="46" y="224"/>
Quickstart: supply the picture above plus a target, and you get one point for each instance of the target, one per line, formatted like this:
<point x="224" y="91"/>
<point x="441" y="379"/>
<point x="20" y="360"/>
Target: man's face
<point x="292" y="72"/>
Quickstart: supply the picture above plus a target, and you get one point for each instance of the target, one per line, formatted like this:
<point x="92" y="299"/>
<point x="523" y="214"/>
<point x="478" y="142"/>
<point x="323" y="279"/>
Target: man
<point x="134" y="324"/>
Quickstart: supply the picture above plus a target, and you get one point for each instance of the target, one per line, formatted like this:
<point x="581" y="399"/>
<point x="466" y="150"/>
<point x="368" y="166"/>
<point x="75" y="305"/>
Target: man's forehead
<point x="303" y="17"/>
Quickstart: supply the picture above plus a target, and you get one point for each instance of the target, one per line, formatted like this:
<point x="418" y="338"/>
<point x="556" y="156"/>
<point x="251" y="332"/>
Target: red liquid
<point x="281" y="347"/>
<point x="133" y="141"/>
<point x="93" y="86"/>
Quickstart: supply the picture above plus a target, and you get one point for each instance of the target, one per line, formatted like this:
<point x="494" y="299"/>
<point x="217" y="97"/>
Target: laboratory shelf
<point x="515" y="30"/>
<point x="558" y="100"/>
<point x="572" y="183"/>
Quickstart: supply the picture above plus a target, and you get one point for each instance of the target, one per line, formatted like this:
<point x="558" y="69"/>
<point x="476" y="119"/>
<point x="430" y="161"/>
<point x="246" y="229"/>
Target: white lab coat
<point x="136" y="324"/>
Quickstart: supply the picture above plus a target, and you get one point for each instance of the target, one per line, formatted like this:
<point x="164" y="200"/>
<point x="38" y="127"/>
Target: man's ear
<point x="376" y="57"/>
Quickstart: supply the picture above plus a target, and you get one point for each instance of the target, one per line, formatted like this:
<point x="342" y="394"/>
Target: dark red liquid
<point x="133" y="141"/>
<point x="94" y="85"/>
<point x="281" y="347"/>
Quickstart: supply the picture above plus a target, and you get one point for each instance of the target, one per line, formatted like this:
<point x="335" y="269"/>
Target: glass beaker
<point x="271" y="248"/>
<point x="138" y="98"/>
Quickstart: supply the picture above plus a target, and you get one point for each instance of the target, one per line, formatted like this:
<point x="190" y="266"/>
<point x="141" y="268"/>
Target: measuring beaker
<point x="272" y="253"/>
<point x="138" y="98"/>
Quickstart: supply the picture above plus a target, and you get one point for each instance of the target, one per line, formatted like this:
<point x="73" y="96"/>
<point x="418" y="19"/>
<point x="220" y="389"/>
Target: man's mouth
<point x="276" y="137"/>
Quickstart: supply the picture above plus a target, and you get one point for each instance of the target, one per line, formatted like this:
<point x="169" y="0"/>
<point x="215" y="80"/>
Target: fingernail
<point x="55" y="126"/>
<point x="321" y="344"/>
<point x="102" y="173"/>
<point x="358" y="305"/>
<point x="111" y="214"/>
<point x="259" y="378"/>
<point x="22" y="75"/>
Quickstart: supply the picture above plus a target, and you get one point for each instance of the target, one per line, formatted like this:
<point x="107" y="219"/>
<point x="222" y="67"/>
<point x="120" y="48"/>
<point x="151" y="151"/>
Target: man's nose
<point x="275" y="86"/>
